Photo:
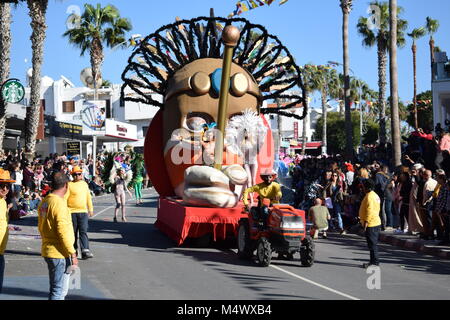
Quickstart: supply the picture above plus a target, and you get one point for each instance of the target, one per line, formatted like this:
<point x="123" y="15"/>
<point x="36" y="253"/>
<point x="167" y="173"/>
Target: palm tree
<point x="98" y="26"/>
<point x="395" y="121"/>
<point x="432" y="27"/>
<point x="337" y="91"/>
<point x="5" y="60"/>
<point x="323" y="80"/>
<point x="308" y="72"/>
<point x="37" y="11"/>
<point x="381" y="38"/>
<point x="346" y="6"/>
<point x="415" y="35"/>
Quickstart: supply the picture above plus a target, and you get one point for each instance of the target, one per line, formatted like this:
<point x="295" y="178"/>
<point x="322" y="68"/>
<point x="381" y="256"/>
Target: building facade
<point x="69" y="116"/>
<point x="441" y="89"/>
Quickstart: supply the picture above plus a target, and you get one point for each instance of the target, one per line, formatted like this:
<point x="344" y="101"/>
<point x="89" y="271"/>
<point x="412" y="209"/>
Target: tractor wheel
<point x="264" y="252"/>
<point x="245" y="245"/>
<point x="307" y="252"/>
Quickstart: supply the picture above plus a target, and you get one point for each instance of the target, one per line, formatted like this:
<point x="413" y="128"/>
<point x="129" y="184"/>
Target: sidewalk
<point x="410" y="242"/>
<point x="414" y="243"/>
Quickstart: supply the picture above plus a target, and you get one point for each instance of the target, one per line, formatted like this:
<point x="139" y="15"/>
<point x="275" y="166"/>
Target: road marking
<point x="315" y="283"/>
<point x="101" y="211"/>
<point x="110" y="207"/>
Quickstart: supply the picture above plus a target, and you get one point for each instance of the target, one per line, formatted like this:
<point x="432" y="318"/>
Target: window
<point x="109" y="114"/>
<point x="68" y="106"/>
<point x="144" y="131"/>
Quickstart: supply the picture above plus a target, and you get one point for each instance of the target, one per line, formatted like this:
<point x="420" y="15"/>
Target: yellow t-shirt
<point x="271" y="192"/>
<point x="370" y="209"/>
<point x="3" y="225"/>
<point x="55" y="226"/>
<point x="78" y="197"/>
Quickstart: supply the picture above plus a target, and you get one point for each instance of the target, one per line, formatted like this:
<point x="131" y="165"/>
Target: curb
<point x="416" y="245"/>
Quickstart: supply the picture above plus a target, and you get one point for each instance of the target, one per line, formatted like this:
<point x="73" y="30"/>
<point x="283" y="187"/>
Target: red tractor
<point x="279" y="228"/>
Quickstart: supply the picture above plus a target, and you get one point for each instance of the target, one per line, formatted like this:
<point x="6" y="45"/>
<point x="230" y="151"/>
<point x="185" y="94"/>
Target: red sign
<point x="295" y="130"/>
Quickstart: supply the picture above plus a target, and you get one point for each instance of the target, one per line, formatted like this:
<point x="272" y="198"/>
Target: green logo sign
<point x="13" y="91"/>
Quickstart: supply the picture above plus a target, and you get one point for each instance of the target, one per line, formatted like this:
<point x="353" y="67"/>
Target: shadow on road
<point x="389" y="255"/>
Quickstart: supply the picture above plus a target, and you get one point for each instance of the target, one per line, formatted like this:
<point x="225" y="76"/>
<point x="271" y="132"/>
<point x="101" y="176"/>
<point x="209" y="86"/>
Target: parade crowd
<point x="60" y="189"/>
<point x="414" y="197"/>
<point x="32" y="178"/>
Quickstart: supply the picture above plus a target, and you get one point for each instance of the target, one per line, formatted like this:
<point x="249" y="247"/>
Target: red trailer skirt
<point x="180" y="222"/>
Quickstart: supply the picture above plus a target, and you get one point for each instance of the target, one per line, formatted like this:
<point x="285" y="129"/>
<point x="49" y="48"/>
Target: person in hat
<point x="268" y="189"/>
<point x="5" y="186"/>
<point x="79" y="201"/>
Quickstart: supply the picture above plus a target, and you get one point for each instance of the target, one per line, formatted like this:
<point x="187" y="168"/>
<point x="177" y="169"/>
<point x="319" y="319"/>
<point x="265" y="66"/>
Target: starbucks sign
<point x="12" y="91"/>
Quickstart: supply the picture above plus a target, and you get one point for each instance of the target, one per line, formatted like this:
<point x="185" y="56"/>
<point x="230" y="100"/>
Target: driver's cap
<point x="268" y="172"/>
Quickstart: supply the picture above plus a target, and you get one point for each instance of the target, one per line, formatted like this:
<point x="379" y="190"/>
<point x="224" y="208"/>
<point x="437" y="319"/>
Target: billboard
<point x="93" y="117"/>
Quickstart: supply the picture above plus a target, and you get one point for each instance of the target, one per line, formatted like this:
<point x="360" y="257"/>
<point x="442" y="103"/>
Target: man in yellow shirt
<point x="369" y="216"/>
<point x="79" y="201"/>
<point x="55" y="227"/>
<point x="5" y="186"/>
<point x="268" y="189"/>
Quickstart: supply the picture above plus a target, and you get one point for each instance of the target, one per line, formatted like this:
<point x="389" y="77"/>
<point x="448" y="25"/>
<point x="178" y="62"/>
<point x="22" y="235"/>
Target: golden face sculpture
<point x="191" y="105"/>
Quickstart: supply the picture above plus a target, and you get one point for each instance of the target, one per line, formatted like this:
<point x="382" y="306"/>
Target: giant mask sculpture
<point x="182" y="62"/>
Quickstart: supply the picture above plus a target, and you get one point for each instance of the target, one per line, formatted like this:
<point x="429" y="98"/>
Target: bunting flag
<point x="246" y="5"/>
<point x="219" y="26"/>
<point x="253" y="4"/>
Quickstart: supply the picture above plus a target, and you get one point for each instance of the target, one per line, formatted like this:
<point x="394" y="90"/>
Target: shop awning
<point x="309" y="145"/>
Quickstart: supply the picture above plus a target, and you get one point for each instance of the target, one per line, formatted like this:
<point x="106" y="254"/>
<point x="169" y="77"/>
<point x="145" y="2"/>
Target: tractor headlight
<point x="292" y="225"/>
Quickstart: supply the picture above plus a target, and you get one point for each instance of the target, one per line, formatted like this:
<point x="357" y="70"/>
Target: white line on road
<point x="110" y="207"/>
<point x="314" y="283"/>
<point x="101" y="211"/>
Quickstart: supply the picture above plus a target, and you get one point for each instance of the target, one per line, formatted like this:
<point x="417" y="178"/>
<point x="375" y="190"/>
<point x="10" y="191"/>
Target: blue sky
<point x="311" y="30"/>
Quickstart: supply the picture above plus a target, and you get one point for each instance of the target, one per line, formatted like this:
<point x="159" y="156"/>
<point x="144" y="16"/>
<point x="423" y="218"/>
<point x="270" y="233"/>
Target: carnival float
<point x="210" y="138"/>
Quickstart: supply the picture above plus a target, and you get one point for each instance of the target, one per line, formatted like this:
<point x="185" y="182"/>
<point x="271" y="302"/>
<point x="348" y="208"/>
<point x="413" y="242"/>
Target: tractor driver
<point x="268" y="189"/>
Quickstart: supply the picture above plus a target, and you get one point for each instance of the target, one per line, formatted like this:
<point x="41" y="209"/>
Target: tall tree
<point x="415" y="35"/>
<point x="5" y="60"/>
<point x="381" y="38"/>
<point x="37" y="10"/>
<point x="432" y="27"/>
<point x="395" y="121"/>
<point x="98" y="26"/>
<point x="308" y="73"/>
<point x="346" y="6"/>
<point x="323" y="79"/>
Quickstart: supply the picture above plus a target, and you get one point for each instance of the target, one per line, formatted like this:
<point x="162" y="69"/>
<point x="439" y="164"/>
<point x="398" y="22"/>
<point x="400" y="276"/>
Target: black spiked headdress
<point x="173" y="46"/>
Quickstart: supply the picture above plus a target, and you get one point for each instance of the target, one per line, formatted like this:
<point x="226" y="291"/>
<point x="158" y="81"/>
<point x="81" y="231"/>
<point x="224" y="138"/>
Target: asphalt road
<point x="134" y="260"/>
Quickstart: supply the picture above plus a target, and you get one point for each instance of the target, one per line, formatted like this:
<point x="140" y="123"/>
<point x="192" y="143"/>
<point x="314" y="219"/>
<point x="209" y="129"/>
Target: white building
<point x="292" y="129"/>
<point x="65" y="112"/>
<point x="441" y="89"/>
